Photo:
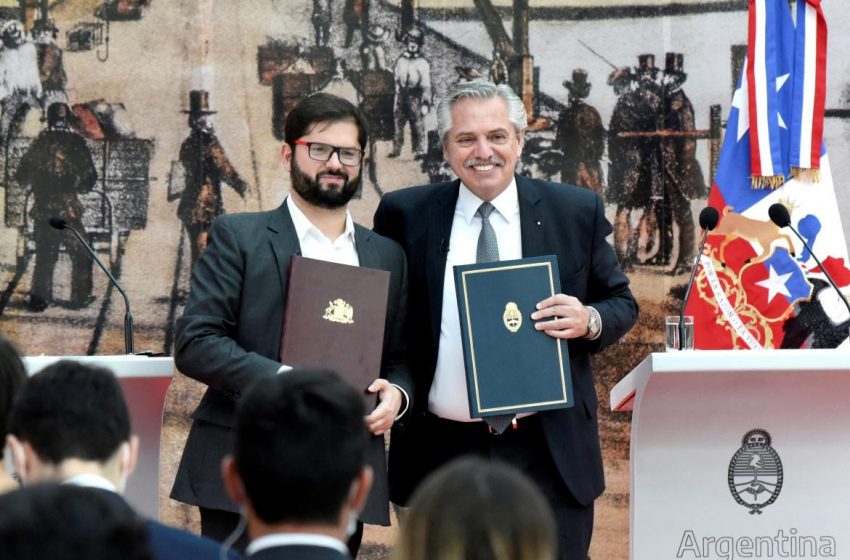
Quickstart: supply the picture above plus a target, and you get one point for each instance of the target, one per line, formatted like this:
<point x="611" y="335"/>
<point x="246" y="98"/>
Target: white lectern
<point x="739" y="454"/>
<point x="144" y="381"/>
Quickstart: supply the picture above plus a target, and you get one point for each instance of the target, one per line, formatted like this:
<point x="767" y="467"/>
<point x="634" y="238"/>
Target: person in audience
<point x="66" y="522"/>
<point x="70" y="424"/>
<point x="475" y="509"/>
<point x="12" y="376"/>
<point x="299" y="472"/>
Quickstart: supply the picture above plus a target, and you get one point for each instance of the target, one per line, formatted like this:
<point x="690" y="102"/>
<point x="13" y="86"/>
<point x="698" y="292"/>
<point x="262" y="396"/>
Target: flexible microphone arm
<point x="708" y="219"/>
<point x="780" y="216"/>
<point x="59" y="223"/>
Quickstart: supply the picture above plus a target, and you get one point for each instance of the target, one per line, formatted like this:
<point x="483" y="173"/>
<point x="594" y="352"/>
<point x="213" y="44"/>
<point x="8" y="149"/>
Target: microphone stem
<point x="128" y="318"/>
<point x="823" y="268"/>
<point x="690" y="285"/>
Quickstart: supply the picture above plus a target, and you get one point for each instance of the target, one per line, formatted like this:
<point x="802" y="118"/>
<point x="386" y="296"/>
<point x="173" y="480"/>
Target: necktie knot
<point x="485" y="210"/>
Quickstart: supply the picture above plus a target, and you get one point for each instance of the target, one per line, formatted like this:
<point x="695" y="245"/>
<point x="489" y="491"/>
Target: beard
<point x="313" y="192"/>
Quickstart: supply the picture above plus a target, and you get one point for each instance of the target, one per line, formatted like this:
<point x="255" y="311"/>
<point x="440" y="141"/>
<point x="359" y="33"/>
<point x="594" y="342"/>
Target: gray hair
<point x="480" y="89"/>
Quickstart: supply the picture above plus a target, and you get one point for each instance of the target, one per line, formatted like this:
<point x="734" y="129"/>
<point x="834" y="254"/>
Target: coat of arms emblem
<point x="339" y="311"/>
<point x="755" y="472"/>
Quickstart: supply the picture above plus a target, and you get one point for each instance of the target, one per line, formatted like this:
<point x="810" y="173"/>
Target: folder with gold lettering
<point x="335" y="318"/>
<point x="510" y="366"/>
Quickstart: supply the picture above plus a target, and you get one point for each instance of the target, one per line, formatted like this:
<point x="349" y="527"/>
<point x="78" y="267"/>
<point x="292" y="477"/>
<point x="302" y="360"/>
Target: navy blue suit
<point x="563" y="220"/>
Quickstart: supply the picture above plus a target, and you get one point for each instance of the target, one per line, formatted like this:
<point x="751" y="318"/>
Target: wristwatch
<point x="594" y="323"/>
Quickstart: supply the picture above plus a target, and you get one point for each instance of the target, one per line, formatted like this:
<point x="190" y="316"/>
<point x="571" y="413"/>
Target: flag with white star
<point x="755" y="278"/>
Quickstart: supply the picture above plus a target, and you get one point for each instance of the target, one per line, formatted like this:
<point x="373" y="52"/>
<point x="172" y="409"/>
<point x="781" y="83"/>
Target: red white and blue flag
<point x="757" y="287"/>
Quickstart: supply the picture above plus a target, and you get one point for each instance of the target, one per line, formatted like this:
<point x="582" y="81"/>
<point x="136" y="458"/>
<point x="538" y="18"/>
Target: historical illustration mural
<point x="137" y="122"/>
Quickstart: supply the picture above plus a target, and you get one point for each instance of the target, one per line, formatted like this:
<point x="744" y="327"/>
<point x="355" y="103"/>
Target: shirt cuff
<point x="284" y="369"/>
<point x="406" y="401"/>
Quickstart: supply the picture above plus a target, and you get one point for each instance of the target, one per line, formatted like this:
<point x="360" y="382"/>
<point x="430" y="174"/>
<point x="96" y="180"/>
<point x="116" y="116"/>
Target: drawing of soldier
<point x="581" y="137"/>
<point x="51" y="69"/>
<point x="322" y="21"/>
<point x="683" y="178"/>
<point x="20" y="85"/>
<point x="57" y="166"/>
<point x="206" y="166"/>
<point x="413" y="93"/>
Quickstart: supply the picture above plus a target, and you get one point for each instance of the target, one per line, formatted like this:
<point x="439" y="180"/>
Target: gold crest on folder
<point x="339" y="311"/>
<point x="512" y="317"/>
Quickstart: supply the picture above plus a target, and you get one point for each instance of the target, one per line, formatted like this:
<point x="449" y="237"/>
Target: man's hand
<point x="561" y="316"/>
<point x="390" y="400"/>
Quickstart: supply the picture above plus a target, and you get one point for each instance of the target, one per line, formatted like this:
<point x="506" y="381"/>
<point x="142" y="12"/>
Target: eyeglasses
<point x="323" y="152"/>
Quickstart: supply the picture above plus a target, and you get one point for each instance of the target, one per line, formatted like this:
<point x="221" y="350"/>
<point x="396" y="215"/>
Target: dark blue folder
<point x="510" y="366"/>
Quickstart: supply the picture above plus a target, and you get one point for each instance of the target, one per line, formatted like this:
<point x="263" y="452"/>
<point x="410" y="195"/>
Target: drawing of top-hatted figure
<point x="206" y="167"/>
<point x="20" y="85"/>
<point x="683" y="179"/>
<point x="413" y="93"/>
<point x="581" y="137"/>
<point x="58" y="167"/>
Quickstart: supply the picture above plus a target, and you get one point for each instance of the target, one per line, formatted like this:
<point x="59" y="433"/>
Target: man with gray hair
<point x="482" y="127"/>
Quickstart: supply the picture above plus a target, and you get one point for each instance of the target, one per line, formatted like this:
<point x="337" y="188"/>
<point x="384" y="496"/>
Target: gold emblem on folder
<point x="512" y="317"/>
<point x="339" y="311"/>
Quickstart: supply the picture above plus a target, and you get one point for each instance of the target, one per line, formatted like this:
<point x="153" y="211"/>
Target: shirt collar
<point x="507" y="203"/>
<point x="304" y="227"/>
<point x="89" y="480"/>
<point x="291" y="539"/>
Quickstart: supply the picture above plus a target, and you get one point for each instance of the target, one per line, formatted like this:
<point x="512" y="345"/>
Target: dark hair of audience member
<point x="12" y="377"/>
<point x="67" y="522"/>
<point x="90" y="426"/>
<point x="475" y="509"/>
<point x="301" y="441"/>
<point x="323" y="108"/>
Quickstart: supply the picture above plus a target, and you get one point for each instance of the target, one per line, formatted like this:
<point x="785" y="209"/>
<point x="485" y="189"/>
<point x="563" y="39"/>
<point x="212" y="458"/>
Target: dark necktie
<point x="488" y="251"/>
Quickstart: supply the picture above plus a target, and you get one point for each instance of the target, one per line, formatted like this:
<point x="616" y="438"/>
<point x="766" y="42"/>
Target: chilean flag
<point x="755" y="278"/>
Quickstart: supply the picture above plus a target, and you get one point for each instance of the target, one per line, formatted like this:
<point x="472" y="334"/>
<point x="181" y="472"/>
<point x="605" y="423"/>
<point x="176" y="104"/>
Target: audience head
<point x="12" y="377"/>
<point x="300" y="453"/>
<point x="69" y="419"/>
<point x="67" y="522"/>
<point x="474" y="509"/>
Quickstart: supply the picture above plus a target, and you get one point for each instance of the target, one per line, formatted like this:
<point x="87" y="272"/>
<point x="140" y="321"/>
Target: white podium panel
<point x="739" y="454"/>
<point x="144" y="381"/>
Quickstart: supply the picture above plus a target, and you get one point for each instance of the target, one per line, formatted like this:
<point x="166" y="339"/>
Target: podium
<point x="739" y="454"/>
<point x="144" y="381"/>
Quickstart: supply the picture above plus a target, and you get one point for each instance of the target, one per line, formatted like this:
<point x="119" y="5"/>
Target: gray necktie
<point x="488" y="251"/>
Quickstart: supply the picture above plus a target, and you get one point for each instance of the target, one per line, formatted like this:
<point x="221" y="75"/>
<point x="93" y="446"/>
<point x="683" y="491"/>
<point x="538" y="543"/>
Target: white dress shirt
<point x="292" y="539"/>
<point x="448" y="397"/>
<point x="314" y="243"/>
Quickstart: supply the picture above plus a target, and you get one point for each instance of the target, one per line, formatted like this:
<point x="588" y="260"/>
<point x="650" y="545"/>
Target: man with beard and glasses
<point x="230" y="332"/>
<point x="441" y="225"/>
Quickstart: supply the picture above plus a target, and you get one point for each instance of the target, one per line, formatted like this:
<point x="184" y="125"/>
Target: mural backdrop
<point x="140" y="121"/>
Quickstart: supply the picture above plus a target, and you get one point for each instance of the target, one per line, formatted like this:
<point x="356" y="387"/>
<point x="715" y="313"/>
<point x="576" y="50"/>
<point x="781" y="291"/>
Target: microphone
<point x="60" y="223"/>
<point x="780" y="216"/>
<point x="708" y="218"/>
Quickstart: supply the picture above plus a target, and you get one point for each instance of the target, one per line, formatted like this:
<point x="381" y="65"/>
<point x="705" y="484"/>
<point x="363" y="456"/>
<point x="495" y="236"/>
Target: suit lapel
<point x="439" y="220"/>
<point x="531" y="217"/>
<point x="284" y="242"/>
<point x="366" y="253"/>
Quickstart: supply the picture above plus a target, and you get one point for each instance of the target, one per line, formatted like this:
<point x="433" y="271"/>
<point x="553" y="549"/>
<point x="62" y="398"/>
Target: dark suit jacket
<point x="168" y="543"/>
<point x="563" y="220"/>
<point x="299" y="552"/>
<point x="230" y="334"/>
